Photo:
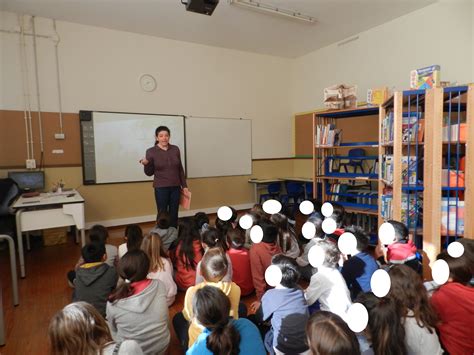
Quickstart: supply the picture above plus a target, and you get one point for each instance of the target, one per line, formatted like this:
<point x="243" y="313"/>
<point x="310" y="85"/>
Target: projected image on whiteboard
<point x="121" y="140"/>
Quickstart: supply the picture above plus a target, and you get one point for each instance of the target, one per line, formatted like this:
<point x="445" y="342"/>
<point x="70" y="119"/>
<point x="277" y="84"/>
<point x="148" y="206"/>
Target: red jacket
<point x="454" y="304"/>
<point x="260" y="259"/>
<point x="241" y="270"/>
<point x="399" y="253"/>
<point x="186" y="277"/>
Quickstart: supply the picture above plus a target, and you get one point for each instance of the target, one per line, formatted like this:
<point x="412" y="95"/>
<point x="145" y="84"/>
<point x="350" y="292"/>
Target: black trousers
<point x="167" y="199"/>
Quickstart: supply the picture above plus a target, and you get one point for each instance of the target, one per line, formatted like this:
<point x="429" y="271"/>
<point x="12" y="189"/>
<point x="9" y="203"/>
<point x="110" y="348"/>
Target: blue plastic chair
<point x="309" y="190"/>
<point x="274" y="190"/>
<point x="295" y="192"/>
<point x="353" y="163"/>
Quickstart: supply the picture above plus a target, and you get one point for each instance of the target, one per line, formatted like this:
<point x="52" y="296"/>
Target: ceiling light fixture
<point x="270" y="9"/>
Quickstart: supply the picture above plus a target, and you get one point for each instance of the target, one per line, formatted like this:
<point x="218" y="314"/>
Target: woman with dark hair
<point x="454" y="304"/>
<point x="328" y="334"/>
<point x="385" y="329"/>
<point x="79" y="329"/>
<point x="222" y="335"/>
<point x="188" y="253"/>
<point x="418" y="316"/>
<point x="163" y="160"/>
<point x="137" y="309"/>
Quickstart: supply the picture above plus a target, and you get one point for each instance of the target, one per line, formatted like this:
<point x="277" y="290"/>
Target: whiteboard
<point x="218" y="147"/>
<point x="121" y="140"/>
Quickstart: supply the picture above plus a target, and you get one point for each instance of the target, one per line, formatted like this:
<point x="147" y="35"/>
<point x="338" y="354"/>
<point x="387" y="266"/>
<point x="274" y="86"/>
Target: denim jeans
<point x="167" y="199"/>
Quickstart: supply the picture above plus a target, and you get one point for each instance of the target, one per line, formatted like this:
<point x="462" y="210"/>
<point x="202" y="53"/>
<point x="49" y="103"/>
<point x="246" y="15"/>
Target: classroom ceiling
<point x="230" y="26"/>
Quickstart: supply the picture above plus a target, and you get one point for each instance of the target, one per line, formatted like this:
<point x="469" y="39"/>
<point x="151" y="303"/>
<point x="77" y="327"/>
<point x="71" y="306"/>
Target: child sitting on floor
<point x="240" y="258"/>
<point x="163" y="228"/>
<point x="160" y="266"/>
<point x="285" y="306"/>
<point x="133" y="239"/>
<point x="213" y="268"/>
<point x="358" y="270"/>
<point x="95" y="279"/>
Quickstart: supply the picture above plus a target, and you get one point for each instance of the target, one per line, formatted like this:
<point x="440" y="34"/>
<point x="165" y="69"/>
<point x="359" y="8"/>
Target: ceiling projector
<point x="205" y="7"/>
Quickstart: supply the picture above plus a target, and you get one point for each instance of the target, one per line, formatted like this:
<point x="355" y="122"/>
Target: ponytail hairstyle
<point x="134" y="235"/>
<point x="132" y="267"/>
<point x="213" y="238"/>
<point x="386" y="330"/>
<point x="211" y="309"/>
<point x="214" y="265"/>
<point x="284" y="233"/>
<point x="328" y="334"/>
<point x="153" y="248"/>
<point x="408" y="291"/>
<point x="78" y="329"/>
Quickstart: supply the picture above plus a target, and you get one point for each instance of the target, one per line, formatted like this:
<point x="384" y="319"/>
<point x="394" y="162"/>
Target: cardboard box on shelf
<point x="376" y="97"/>
<point x="425" y="78"/>
<point x="55" y="236"/>
<point x="340" y="96"/>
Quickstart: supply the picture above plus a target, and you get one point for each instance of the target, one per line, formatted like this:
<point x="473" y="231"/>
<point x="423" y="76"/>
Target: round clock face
<point x="148" y="82"/>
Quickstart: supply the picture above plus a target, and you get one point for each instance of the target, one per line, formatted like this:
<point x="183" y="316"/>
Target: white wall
<point x="100" y="70"/>
<point x="441" y="33"/>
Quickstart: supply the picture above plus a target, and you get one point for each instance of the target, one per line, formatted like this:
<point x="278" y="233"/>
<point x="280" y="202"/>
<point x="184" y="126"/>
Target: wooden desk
<point x="48" y="210"/>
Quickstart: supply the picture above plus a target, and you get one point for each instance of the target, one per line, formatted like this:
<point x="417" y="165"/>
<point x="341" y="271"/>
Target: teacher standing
<point x="164" y="162"/>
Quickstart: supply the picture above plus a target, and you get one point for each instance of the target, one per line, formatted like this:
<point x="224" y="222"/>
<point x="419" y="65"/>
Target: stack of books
<point x="409" y="172"/>
<point x="387" y="168"/>
<point x="387" y="129"/>
<point x="328" y="135"/>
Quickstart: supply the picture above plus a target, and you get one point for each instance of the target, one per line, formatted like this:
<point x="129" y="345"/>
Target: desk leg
<point x="255" y="191"/>
<point x="19" y="238"/>
<point x="28" y="246"/>
<point x="83" y="237"/>
<point x="2" y="324"/>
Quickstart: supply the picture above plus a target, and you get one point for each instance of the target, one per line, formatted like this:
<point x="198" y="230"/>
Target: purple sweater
<point x="166" y="166"/>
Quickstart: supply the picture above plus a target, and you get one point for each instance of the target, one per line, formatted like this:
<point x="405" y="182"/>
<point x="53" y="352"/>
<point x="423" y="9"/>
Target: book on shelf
<point x="452" y="218"/>
<point x="412" y="127"/>
<point x="455" y="132"/>
<point x="386" y="206"/>
<point x="387" y="168"/>
<point x="328" y="135"/>
<point x="409" y="173"/>
<point x="387" y="129"/>
<point x="412" y="205"/>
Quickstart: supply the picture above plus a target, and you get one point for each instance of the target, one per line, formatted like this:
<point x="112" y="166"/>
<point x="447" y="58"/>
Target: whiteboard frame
<point x="85" y="115"/>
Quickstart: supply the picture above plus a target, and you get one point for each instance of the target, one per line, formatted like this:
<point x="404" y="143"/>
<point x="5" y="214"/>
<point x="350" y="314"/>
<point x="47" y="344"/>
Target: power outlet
<point x="59" y="135"/>
<point x="30" y="164"/>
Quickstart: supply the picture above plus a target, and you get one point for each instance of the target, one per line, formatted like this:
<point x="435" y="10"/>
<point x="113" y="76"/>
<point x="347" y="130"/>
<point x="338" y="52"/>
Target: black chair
<point x="9" y="191"/>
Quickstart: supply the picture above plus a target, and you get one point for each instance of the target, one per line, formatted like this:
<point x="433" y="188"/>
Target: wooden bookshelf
<point x="359" y="130"/>
<point x="439" y="156"/>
